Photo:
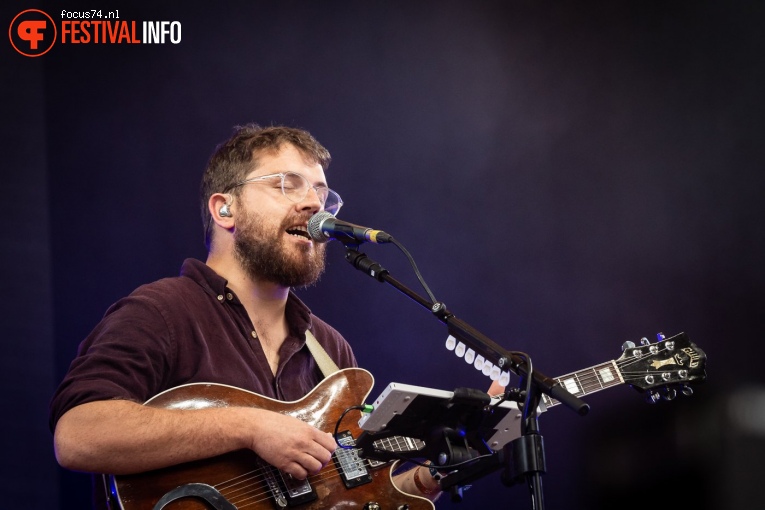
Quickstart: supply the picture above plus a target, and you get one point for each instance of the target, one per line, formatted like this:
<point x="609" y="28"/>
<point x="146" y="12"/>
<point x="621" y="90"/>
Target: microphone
<point x="323" y="227"/>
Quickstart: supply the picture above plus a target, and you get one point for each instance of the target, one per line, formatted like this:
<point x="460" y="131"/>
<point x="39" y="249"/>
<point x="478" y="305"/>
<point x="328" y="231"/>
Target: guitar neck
<point x="580" y="383"/>
<point x="589" y="380"/>
<point x="397" y="444"/>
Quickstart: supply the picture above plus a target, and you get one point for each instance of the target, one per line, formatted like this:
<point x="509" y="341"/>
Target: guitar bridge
<point x="286" y="490"/>
<point x="298" y="491"/>
<point x="353" y="469"/>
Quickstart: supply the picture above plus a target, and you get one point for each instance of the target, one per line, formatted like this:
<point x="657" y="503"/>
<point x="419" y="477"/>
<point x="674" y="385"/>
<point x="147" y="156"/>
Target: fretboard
<point x="588" y="381"/>
<point x="399" y="444"/>
<point x="580" y="383"/>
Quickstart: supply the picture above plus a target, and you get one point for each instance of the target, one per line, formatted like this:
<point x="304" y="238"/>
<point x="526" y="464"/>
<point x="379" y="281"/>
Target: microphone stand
<point x="523" y="457"/>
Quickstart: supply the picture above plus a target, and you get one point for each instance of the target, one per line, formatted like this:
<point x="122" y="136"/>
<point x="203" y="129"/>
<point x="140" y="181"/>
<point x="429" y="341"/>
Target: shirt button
<point x="229" y="296"/>
<point x="254" y="334"/>
<point x="220" y="297"/>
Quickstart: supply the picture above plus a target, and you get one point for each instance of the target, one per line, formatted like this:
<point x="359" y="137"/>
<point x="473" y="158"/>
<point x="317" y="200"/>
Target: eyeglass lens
<point x="296" y="187"/>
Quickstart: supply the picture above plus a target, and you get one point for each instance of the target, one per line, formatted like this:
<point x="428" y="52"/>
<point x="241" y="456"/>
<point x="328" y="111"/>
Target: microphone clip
<point x="363" y="263"/>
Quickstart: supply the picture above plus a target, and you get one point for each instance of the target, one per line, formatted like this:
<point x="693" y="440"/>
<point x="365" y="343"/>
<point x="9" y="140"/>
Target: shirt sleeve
<point x="124" y="357"/>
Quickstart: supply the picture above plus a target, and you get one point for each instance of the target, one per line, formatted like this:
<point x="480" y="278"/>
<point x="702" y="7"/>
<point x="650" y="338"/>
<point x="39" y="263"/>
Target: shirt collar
<point x="298" y="313"/>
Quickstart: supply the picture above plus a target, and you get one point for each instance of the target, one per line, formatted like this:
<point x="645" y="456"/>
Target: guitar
<point x="657" y="369"/>
<point x="240" y="480"/>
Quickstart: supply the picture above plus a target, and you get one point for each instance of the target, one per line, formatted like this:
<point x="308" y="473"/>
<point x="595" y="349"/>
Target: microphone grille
<point x="314" y="226"/>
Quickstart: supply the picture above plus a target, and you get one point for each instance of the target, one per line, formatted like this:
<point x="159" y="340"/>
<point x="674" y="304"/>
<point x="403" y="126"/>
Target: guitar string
<point x="237" y="486"/>
<point x="248" y="491"/>
<point x="243" y="500"/>
<point x="261" y="471"/>
<point x="586" y="381"/>
<point x="240" y="498"/>
<point x="236" y="489"/>
<point x="239" y="490"/>
<point x="620" y="363"/>
<point x="242" y="485"/>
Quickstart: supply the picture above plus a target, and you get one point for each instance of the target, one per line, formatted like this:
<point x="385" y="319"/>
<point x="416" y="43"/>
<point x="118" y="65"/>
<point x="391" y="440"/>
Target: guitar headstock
<point x="663" y="367"/>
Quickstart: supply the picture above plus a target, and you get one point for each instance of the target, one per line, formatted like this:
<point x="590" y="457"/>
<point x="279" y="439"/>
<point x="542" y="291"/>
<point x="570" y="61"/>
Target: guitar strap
<point x="326" y="365"/>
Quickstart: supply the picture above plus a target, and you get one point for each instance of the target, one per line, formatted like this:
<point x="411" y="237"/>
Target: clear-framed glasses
<point x="295" y="187"/>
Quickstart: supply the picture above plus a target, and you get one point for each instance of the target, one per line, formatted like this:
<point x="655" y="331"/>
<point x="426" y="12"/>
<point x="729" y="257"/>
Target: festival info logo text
<point x="33" y="32"/>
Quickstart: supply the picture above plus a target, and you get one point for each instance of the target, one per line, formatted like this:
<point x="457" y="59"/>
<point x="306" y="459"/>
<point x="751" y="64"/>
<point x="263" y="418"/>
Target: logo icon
<point x="32" y="33"/>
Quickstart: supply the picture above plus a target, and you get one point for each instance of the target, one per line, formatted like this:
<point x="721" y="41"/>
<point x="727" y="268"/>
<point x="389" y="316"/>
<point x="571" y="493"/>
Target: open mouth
<point x="299" y="231"/>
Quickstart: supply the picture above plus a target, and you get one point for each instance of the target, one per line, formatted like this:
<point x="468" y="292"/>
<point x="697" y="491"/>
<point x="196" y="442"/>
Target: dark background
<point x="567" y="176"/>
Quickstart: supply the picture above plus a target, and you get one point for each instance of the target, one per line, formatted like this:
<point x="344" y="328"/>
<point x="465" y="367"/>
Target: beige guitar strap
<point x="326" y="365"/>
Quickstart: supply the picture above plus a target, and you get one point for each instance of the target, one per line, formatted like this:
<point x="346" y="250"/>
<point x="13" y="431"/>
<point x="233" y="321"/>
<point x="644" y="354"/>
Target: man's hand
<point x="291" y="445"/>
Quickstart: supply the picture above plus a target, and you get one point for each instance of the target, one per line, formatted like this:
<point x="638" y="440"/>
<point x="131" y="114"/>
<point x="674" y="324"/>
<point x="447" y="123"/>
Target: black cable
<point x="339" y="421"/>
<point x="416" y="271"/>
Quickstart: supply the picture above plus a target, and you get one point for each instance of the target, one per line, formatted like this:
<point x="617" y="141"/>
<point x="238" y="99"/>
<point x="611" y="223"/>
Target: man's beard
<point x="263" y="253"/>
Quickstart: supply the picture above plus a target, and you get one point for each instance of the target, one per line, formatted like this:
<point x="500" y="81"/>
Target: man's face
<point x="266" y="241"/>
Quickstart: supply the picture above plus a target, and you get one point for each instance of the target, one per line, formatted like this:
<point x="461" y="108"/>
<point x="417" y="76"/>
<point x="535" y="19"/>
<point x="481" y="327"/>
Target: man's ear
<point x="221" y="206"/>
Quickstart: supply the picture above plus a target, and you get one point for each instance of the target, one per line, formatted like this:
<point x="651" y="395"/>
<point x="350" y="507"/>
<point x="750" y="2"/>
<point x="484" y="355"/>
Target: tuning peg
<point x="686" y="390"/>
<point x="670" y="393"/>
<point x="660" y="337"/>
<point x="653" y="397"/>
<point x="628" y="345"/>
<point x="644" y="341"/>
<point x="451" y="342"/>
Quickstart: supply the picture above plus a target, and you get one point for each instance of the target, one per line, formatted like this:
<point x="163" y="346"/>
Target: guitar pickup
<point x="298" y="491"/>
<point x="284" y="489"/>
<point x="353" y="469"/>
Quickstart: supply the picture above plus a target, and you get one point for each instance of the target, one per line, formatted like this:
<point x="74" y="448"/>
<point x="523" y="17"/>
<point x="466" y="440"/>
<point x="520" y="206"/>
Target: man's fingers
<point x="295" y="470"/>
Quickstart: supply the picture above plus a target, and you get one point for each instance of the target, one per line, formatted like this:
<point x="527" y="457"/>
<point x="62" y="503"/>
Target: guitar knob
<point x="628" y="345"/>
<point x="686" y="390"/>
<point x="402" y="507"/>
<point x="372" y="505"/>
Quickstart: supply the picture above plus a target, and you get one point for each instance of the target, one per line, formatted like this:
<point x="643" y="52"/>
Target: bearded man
<point x="230" y="321"/>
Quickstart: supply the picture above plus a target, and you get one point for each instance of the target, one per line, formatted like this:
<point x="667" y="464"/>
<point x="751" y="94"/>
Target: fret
<point x="589" y="380"/>
<point x="399" y="444"/>
<point x="609" y="375"/>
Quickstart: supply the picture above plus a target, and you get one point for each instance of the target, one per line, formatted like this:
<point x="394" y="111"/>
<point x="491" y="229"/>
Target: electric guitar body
<point x="241" y="480"/>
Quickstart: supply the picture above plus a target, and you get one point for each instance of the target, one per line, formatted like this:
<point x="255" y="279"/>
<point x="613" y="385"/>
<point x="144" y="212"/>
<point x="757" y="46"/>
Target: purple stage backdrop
<point x="567" y="176"/>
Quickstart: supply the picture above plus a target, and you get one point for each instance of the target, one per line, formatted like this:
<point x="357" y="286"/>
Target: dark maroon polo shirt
<point x="186" y="329"/>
